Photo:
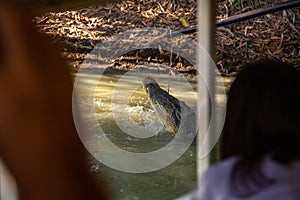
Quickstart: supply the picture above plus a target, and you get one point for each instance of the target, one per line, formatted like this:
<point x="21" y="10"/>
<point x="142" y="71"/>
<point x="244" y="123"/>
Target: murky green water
<point x="169" y="182"/>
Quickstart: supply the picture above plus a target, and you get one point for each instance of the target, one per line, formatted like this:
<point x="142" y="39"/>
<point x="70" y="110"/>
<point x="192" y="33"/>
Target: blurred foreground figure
<point x="260" y="144"/>
<point x="38" y="140"/>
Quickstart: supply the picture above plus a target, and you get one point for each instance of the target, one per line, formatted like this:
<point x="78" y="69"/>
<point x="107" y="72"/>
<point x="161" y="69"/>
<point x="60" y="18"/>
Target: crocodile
<point x="175" y="115"/>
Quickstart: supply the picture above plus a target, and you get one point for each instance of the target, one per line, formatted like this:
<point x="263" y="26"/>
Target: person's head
<point x="263" y="113"/>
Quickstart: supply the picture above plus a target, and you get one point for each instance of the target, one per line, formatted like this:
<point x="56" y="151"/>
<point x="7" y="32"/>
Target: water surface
<point x="168" y="183"/>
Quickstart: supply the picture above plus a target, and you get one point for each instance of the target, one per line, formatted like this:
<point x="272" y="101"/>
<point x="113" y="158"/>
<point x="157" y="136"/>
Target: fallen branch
<point x="245" y="16"/>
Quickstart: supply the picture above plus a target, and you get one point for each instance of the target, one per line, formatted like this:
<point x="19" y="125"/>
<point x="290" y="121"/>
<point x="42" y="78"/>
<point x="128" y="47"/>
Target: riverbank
<point x="79" y="31"/>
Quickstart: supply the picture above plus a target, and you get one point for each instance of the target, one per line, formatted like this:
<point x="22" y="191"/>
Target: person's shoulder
<point x="219" y="173"/>
<point x="216" y="180"/>
<point x="285" y="185"/>
<point x="222" y="169"/>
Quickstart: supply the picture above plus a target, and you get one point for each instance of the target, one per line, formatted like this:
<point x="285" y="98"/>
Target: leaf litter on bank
<point x="79" y="31"/>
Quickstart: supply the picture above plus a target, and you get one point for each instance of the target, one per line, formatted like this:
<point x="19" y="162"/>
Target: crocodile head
<point x="165" y="105"/>
<point x="175" y="115"/>
<point x="150" y="83"/>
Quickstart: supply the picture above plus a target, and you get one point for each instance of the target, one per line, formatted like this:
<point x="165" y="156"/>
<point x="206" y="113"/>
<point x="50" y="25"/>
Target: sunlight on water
<point x="167" y="183"/>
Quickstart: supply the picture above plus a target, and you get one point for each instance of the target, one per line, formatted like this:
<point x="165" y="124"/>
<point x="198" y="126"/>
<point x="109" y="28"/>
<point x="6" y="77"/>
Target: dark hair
<point x="262" y="118"/>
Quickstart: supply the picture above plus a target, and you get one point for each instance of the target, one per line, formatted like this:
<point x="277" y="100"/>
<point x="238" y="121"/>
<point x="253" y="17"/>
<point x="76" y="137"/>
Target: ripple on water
<point x="168" y="183"/>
